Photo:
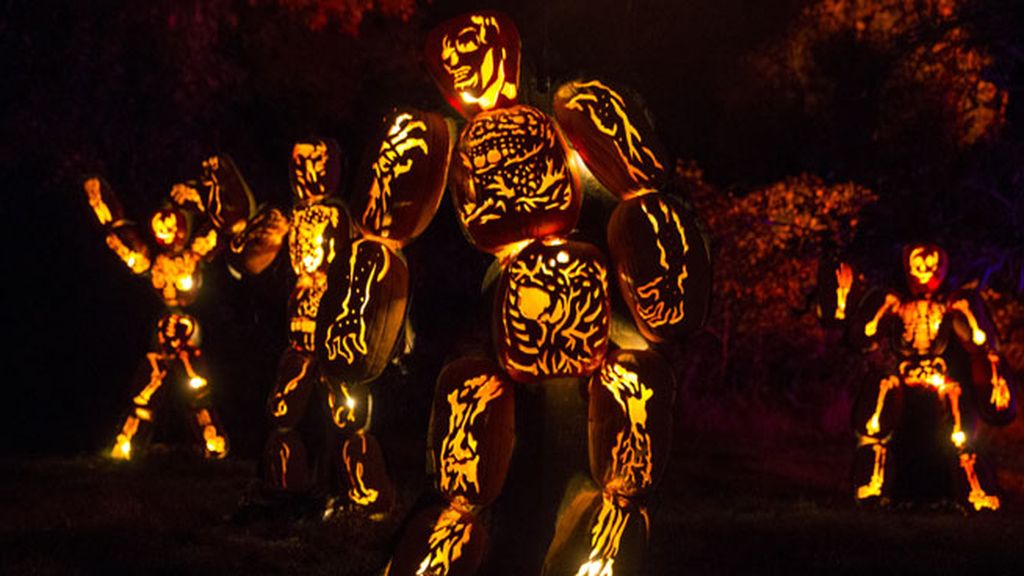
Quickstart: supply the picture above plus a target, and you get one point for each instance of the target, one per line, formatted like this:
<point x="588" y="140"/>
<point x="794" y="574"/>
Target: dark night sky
<point x="107" y="86"/>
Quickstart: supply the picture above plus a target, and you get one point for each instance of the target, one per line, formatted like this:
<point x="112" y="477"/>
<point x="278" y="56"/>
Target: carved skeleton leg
<point x="877" y="411"/>
<point x="974" y="495"/>
<point x="138" y="425"/>
<point x="285" y="461"/>
<point x="472" y="433"/>
<point x="206" y="424"/>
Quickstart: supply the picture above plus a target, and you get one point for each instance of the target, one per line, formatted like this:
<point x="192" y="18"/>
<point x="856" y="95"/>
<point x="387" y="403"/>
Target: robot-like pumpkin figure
<point x="188" y="233"/>
<point x="517" y="195"/>
<point x="921" y="325"/>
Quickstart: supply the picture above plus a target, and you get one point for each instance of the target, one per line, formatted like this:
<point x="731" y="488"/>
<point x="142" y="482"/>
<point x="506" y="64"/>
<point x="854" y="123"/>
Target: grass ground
<point x="721" y="509"/>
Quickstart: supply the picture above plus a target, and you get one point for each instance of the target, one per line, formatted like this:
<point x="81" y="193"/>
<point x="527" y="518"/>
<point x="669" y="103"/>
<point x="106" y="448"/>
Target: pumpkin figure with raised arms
<point x="190" y="231"/>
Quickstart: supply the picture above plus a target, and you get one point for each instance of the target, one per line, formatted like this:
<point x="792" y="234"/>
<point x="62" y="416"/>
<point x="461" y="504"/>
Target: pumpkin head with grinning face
<point x="474" y="59"/>
<point x="315" y="170"/>
<point x="925" y="266"/>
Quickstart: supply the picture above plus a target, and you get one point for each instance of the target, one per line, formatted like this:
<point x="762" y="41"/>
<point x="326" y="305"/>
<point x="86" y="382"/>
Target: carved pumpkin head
<point x="170" y="228"/>
<point x="511" y="179"/>
<point x="552" y="312"/>
<point x="474" y="59"/>
<point x="315" y="170"/>
<point x="925" y="266"/>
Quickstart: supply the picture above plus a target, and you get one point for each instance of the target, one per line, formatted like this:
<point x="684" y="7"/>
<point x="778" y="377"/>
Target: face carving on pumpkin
<point x="169" y="228"/>
<point x="459" y="456"/>
<point x="925" y="266"/>
<point x="661" y="300"/>
<point x="554" y="315"/>
<point x="476" y="60"/>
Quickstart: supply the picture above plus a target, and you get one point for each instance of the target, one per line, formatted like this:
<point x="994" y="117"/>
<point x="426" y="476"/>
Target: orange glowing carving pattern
<point x="661" y="300"/>
<point x="165" y="227"/>
<point x="459" y="457"/>
<point x="604" y="539"/>
<point x="216" y="445"/>
<point x="136" y="261"/>
<point x="631" y="456"/>
<point x="284" y="454"/>
<point x="99" y="207"/>
<point x="404" y="136"/>
<point x="516" y="160"/>
<point x="554" y="313"/>
<point x="358" y="492"/>
<point x="343" y="407"/>
<point x="921" y="322"/>
<point x="450" y="534"/>
<point x="1000" y="397"/>
<point x="311" y="238"/>
<point x="307" y="294"/>
<point x="282" y="396"/>
<point x="978" y="335"/>
<point x="933" y="373"/>
<point x="977" y="497"/>
<point x="607" y="111"/>
<point x="874" y="426"/>
<point x="174" y="275"/>
<point x="185" y="195"/>
<point x="204" y="244"/>
<point x="874" y="486"/>
<point x="924" y="263"/>
<point x="309" y="165"/>
<point x="844" y="281"/>
<point x="475" y="66"/>
<point x="211" y="167"/>
<point x="346" y="336"/>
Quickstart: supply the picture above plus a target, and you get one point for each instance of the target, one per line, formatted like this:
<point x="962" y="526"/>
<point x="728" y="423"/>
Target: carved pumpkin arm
<point x="253" y="250"/>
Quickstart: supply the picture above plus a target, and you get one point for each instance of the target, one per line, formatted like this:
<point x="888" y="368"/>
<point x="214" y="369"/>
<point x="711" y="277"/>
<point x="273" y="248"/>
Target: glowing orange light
<point x="459" y="457"/>
<point x="358" y="491"/>
<point x="887" y="384"/>
<point x="93" y="192"/>
<point x="476" y="65"/>
<point x="631" y="456"/>
<point x="977" y="497"/>
<point x="924" y="263"/>
<point x="605" y="537"/>
<point x="978" y="335"/>
<point x="874" y="486"/>
<point x="404" y="136"/>
<point x="1000" y="397"/>
<point x="346" y="336"/>
<point x="449" y="536"/>
<point x="844" y="281"/>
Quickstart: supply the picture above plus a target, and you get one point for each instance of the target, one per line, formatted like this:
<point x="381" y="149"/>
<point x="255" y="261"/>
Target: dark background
<point x="141" y="92"/>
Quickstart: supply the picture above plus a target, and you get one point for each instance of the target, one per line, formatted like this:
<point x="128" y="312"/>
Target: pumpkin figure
<point x="511" y="180"/>
<point x="229" y="202"/>
<point x="551" y="314"/>
<point x="440" y="541"/>
<point x="662" y="264"/>
<point x="474" y="59"/>
<point x="598" y="533"/>
<point x="402" y="179"/>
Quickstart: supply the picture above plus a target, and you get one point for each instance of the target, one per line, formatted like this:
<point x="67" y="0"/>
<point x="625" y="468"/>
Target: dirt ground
<point x="722" y="508"/>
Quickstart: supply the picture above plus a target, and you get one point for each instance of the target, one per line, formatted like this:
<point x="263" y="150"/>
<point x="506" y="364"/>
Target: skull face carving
<point x="662" y="265"/>
<point x="170" y="228"/>
<point x="315" y="170"/>
<point x="925" y="266"/>
<point x="475" y="61"/>
<point x="553" y="311"/>
<point x="512" y="181"/>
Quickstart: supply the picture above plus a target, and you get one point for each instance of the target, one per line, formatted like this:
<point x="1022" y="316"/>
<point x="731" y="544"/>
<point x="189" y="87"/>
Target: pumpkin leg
<point x="972" y="477"/>
<point x="285" y="462"/>
<point x="205" y="423"/>
<point x="870" y="464"/>
<point x="369" y="487"/>
<point x="137" y="427"/>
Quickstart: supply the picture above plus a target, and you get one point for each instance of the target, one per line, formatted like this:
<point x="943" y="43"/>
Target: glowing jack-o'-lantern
<point x="598" y="534"/>
<point x="361" y="313"/>
<point x="472" y="431"/>
<point x="402" y="179"/>
<point x="839" y="290"/>
<point x="662" y="264"/>
<point x="551" y="314"/>
<point x="229" y="202"/>
<point x="126" y="241"/>
<point x="257" y="246"/>
<point x="285" y="462"/>
<point x="630" y="419"/>
<point x="474" y="59"/>
<point x="315" y="170"/>
<point x="314" y="237"/>
<point x="511" y="179"/>
<point x="925" y="266"/>
<point x="609" y="129"/>
<point x="442" y="542"/>
<point x="170" y="228"/>
<point x="369" y="485"/>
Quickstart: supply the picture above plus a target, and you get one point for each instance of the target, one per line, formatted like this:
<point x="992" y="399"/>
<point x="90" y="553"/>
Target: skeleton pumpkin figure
<point x="182" y="247"/>
<point x="921" y="326"/>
